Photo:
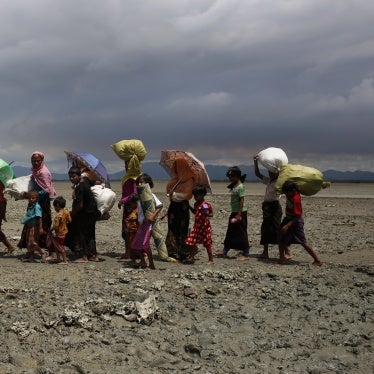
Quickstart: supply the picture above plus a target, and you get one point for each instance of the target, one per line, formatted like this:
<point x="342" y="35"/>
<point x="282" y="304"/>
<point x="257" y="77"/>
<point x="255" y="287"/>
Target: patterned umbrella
<point x="197" y="167"/>
<point x="90" y="162"/>
<point x="6" y="172"/>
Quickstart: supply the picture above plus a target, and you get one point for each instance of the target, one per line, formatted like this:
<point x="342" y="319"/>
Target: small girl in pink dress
<point x="201" y="232"/>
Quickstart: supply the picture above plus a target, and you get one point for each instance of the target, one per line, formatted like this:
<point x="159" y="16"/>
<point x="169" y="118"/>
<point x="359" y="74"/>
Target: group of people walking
<point x="142" y="212"/>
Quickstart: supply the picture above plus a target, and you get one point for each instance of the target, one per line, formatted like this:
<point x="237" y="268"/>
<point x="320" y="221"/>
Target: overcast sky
<point x="223" y="79"/>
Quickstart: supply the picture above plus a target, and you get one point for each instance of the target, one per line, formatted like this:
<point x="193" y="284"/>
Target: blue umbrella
<point x="90" y="162"/>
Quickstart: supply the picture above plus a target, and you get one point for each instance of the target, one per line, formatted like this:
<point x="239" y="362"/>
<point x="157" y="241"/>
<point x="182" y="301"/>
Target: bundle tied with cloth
<point x="308" y="180"/>
<point x="126" y="149"/>
<point x="133" y="152"/>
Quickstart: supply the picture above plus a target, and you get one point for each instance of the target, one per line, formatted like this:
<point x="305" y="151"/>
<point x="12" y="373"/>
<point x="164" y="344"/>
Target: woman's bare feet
<point x="43" y="256"/>
<point x="81" y="260"/>
<point x="317" y="263"/>
<point x="242" y="258"/>
<point x="10" y="251"/>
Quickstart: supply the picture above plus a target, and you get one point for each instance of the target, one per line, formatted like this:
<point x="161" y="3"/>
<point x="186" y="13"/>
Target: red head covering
<point x="42" y="176"/>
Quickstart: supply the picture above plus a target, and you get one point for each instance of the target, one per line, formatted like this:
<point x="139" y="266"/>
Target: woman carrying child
<point x="201" y="232"/>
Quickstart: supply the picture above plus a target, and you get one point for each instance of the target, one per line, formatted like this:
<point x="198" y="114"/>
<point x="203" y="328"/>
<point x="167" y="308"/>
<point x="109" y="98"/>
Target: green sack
<point x="307" y="179"/>
<point x="125" y="149"/>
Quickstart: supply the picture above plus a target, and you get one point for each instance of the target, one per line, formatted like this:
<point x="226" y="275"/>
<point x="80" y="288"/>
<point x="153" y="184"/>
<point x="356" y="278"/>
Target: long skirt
<point x="2" y="217"/>
<point x="271" y="220"/>
<point x="29" y="238"/>
<point x="236" y="234"/>
<point x="295" y="234"/>
<point x="81" y="234"/>
<point x="46" y="222"/>
<point x="178" y="223"/>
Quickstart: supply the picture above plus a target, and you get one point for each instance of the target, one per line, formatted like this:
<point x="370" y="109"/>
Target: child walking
<point x="236" y="234"/>
<point x="56" y="236"/>
<point x="201" y="232"/>
<point x="32" y="228"/>
<point x="151" y="208"/>
<point x="292" y="226"/>
<point x="271" y="210"/>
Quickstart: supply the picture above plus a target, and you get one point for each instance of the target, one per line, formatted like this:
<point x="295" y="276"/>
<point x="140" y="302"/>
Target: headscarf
<point x="182" y="174"/>
<point x="42" y="176"/>
<point x="134" y="169"/>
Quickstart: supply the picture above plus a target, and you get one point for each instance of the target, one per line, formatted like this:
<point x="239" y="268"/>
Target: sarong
<point x="271" y="219"/>
<point x="236" y="234"/>
<point x="141" y="242"/>
<point x="178" y="224"/>
<point x="295" y="234"/>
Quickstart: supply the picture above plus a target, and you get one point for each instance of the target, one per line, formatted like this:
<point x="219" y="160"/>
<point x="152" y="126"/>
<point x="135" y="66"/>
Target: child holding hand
<point x="56" y="236"/>
<point x="201" y="232"/>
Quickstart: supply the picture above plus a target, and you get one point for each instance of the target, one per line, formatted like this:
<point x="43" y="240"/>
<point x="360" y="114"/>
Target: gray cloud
<point x="223" y="79"/>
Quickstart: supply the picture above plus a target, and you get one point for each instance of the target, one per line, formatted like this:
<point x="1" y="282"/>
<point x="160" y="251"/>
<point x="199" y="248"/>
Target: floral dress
<point x="201" y="232"/>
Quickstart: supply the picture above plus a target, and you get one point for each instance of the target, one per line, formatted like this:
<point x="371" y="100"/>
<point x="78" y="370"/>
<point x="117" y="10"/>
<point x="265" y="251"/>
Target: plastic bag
<point x="16" y="186"/>
<point x="125" y="149"/>
<point x="308" y="180"/>
<point x="104" y="197"/>
<point x="272" y="159"/>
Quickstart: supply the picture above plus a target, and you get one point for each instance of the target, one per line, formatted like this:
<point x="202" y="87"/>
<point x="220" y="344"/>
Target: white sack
<point x="104" y="197"/>
<point x="14" y="187"/>
<point x="272" y="159"/>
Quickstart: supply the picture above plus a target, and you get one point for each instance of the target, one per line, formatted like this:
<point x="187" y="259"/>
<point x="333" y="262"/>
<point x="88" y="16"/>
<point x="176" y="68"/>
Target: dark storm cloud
<point x="223" y="79"/>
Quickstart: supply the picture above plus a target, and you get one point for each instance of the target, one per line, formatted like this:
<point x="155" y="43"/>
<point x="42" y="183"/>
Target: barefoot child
<point x="151" y="208"/>
<point x="56" y="236"/>
<point x="32" y="228"/>
<point x="292" y="226"/>
<point x="201" y="232"/>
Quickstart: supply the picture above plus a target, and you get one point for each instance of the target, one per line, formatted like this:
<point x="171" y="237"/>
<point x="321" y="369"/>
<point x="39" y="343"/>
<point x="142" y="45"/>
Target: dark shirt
<point x="83" y="193"/>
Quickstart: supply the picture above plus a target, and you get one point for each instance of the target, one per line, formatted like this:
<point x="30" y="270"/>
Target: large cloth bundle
<point x="16" y="186"/>
<point x="272" y="159"/>
<point x="126" y="149"/>
<point x="308" y="180"/>
<point x="104" y="197"/>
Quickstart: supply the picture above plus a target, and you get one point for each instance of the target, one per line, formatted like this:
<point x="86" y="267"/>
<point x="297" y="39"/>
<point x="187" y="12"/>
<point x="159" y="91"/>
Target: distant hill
<point x="217" y="173"/>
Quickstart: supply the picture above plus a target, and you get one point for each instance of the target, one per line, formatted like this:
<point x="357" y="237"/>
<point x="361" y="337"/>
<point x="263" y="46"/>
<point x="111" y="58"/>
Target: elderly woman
<point x="42" y="182"/>
<point x="179" y="190"/>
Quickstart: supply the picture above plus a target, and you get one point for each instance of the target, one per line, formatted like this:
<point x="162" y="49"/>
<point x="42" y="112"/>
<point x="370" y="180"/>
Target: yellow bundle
<point x="126" y="149"/>
<point x="307" y="179"/>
